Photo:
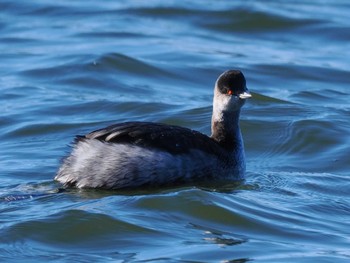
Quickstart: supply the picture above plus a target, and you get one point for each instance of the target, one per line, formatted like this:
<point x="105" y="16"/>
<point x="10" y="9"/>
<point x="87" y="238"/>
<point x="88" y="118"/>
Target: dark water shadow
<point x="31" y="191"/>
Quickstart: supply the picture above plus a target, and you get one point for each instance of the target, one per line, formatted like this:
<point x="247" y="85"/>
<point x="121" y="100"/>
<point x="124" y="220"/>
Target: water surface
<point x="74" y="66"/>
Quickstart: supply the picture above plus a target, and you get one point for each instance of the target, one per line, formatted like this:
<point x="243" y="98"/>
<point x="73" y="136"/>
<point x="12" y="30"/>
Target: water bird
<point x="133" y="155"/>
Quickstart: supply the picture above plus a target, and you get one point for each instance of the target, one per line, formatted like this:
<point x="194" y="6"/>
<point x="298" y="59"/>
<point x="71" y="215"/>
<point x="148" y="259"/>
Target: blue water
<point x="69" y="67"/>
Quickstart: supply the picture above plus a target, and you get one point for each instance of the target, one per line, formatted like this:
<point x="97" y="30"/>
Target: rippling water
<point x="73" y="66"/>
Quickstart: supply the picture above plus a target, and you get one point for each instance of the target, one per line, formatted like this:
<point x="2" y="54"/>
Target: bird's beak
<point x="245" y="95"/>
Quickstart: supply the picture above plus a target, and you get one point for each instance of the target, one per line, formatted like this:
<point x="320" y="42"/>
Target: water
<point x="69" y="67"/>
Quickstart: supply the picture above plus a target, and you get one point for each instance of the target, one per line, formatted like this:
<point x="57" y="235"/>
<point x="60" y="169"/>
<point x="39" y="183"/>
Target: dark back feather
<point x="173" y="139"/>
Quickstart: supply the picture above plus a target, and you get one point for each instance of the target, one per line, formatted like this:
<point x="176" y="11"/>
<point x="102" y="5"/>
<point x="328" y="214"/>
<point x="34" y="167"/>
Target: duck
<point x="142" y="155"/>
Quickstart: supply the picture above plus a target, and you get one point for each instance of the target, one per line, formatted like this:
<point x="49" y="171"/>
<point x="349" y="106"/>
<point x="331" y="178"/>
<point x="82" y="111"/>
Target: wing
<point x="173" y="139"/>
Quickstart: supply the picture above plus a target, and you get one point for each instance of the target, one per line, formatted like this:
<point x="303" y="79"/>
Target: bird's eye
<point x="229" y="92"/>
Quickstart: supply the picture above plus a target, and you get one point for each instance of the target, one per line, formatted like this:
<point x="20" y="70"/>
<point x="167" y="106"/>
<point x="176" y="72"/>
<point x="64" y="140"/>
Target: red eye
<point x="229" y="92"/>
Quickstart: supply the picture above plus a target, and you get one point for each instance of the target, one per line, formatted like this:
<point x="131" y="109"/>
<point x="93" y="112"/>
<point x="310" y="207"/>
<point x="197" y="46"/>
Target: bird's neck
<point x="225" y="129"/>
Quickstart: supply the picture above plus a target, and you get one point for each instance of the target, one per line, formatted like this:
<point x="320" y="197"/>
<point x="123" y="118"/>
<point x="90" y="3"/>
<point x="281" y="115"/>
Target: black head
<point x="231" y="82"/>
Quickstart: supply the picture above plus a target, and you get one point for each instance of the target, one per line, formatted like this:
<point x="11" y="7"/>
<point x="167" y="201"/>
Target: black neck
<point x="226" y="131"/>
